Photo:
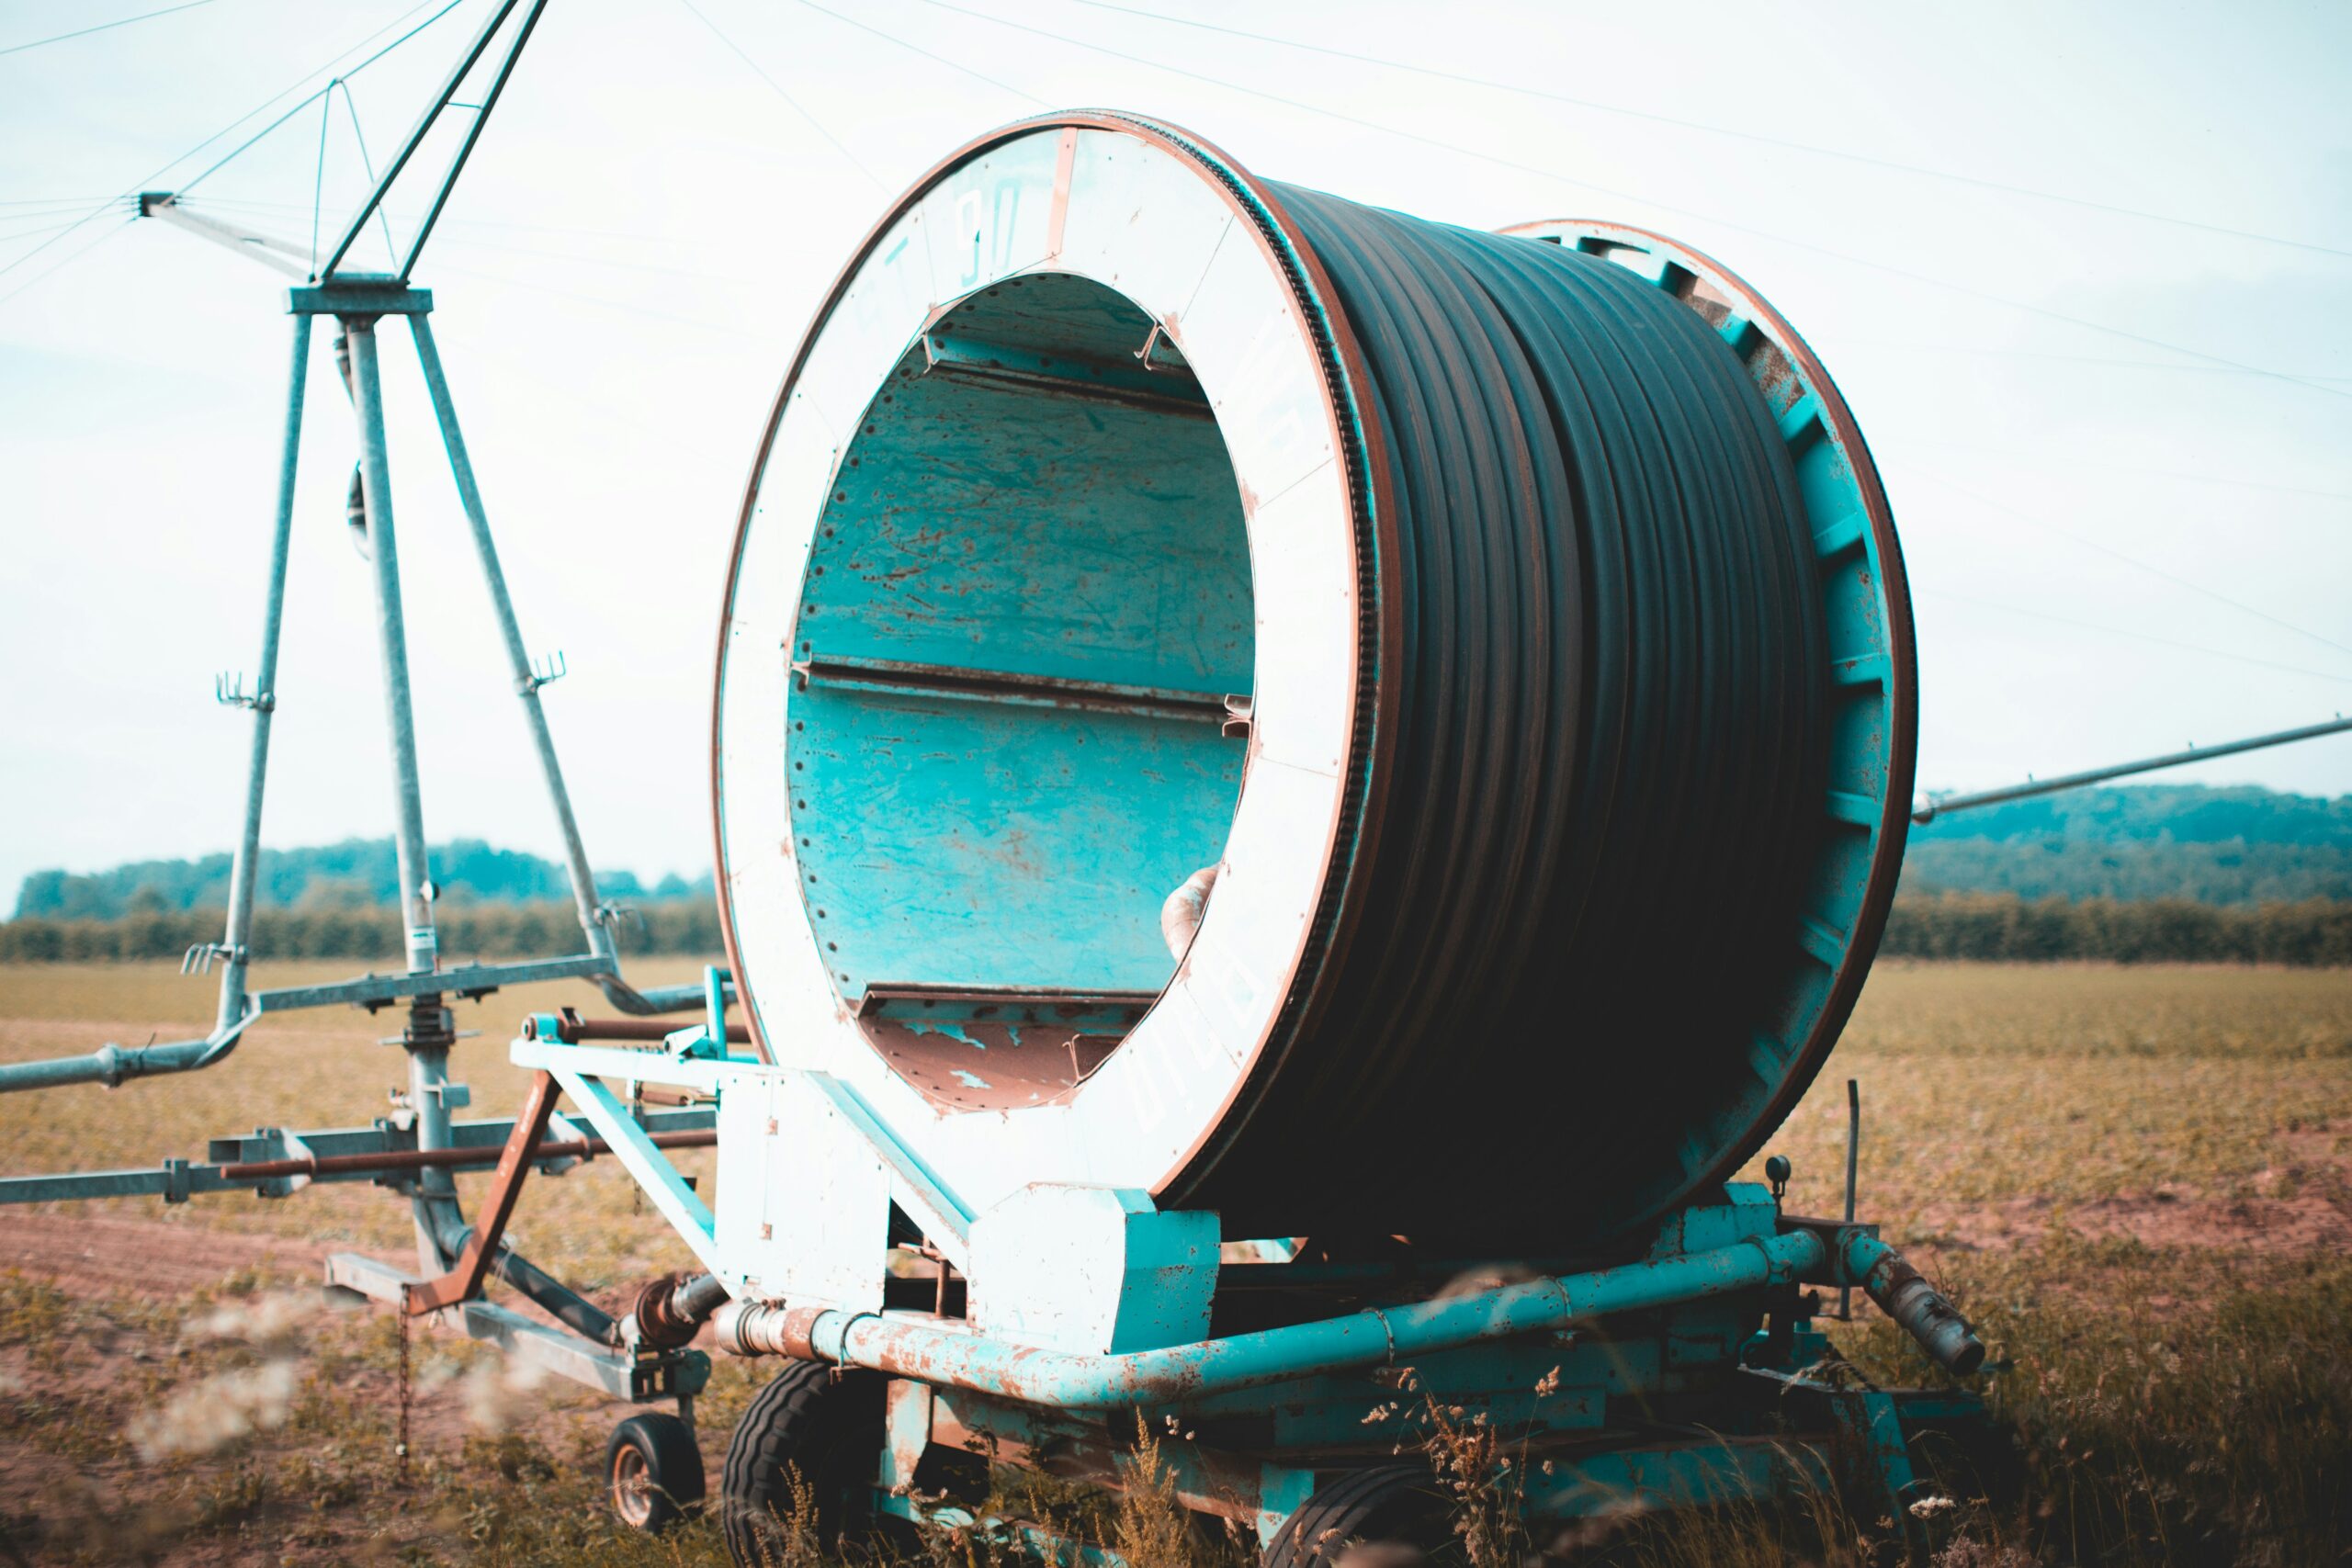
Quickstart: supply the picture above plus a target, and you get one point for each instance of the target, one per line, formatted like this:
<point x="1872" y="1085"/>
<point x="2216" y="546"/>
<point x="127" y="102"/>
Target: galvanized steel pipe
<point x="1384" y="1337"/>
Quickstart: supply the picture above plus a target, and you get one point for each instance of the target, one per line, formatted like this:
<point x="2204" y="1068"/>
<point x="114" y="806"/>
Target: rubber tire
<point x="829" y="1427"/>
<point x="672" y="1463"/>
<point x="1386" y="1503"/>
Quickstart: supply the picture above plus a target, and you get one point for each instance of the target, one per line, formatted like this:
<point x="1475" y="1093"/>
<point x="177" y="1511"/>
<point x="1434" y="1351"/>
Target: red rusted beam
<point x="463" y="1282"/>
<point x="572" y="1029"/>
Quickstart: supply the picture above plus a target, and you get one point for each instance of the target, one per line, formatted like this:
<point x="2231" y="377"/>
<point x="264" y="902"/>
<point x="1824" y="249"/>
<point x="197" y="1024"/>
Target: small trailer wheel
<point x="653" y="1472"/>
<point x="1385" y="1517"/>
<point x="804" y="1458"/>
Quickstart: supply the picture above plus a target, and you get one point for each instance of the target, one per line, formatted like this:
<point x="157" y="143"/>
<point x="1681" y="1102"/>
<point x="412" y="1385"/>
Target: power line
<point x="778" y="88"/>
<point x="2050" y="459"/>
<point x="67" y="259"/>
<point x="1484" y="156"/>
<point x="35" y="233"/>
<point x="2136" y="637"/>
<point x="1988" y="351"/>
<point x="637" y="235"/>
<point x="626" y="310"/>
<point x="368" y="164"/>
<point x="103" y="26"/>
<point x="576" y="256"/>
<point x="1732" y="132"/>
<point x="2131" y="561"/>
<point x="941" y="59"/>
<point x="342" y="81"/>
<point x="233" y="124"/>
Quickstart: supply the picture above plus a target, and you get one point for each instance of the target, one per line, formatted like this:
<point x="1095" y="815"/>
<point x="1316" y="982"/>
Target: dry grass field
<point x="2139" y="1180"/>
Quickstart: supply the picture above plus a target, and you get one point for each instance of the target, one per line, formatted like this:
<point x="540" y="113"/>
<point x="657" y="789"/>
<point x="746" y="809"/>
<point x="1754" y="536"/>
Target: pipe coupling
<point x="767" y="1328"/>
<point x="1905" y="1295"/>
<point x="670" y="1309"/>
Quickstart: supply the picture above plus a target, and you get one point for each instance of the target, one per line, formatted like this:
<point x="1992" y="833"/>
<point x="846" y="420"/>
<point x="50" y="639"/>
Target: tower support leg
<point x="429" y="1035"/>
<point x="236" y="940"/>
<point x="527" y="681"/>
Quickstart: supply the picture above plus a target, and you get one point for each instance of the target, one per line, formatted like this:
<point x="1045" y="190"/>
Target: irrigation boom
<point x="1937" y="806"/>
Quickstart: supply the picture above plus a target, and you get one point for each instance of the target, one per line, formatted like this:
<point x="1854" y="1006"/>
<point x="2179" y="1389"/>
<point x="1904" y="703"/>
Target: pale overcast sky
<point x="2116" y="546"/>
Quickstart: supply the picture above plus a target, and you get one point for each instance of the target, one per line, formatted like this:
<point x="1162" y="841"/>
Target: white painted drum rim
<point x="1286" y="413"/>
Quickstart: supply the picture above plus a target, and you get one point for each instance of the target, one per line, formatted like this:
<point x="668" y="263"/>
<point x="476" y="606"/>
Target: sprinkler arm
<point x="1937" y="806"/>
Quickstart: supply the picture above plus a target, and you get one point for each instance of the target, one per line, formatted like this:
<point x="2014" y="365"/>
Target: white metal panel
<point x="1161" y="230"/>
<point x="804" y="1197"/>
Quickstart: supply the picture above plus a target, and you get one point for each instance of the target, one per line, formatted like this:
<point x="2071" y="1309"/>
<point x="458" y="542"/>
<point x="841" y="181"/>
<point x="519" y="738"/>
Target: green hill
<point x="355" y="873"/>
<point x="2240" y="845"/>
<point x="2237" y="846"/>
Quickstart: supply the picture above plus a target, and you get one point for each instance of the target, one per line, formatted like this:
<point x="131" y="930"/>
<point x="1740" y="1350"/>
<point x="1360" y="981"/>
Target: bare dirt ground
<point x="100" y="1255"/>
<point x="187" y="1385"/>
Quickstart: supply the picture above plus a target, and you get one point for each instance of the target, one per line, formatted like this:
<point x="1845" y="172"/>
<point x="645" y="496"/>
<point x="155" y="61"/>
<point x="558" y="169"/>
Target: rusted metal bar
<point x="435" y="1159"/>
<point x="463" y="1282"/>
<point x="1026" y="690"/>
<point x="572" y="1029"/>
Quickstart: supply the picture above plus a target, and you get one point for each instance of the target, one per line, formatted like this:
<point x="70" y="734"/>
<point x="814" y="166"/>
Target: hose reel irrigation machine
<point x="1246" y="719"/>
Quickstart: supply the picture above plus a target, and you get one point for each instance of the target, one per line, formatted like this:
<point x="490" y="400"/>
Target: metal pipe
<point x="435" y="1202"/>
<point x="163" y="204"/>
<point x="957" y="1359"/>
<point x="528" y="681"/>
<point x="518" y="658"/>
<point x="368" y="401"/>
<point x="415" y="137"/>
<point x="1941" y="805"/>
<point x="110" y="1065"/>
<point x="1853" y="1171"/>
<point x="1904" y="1295"/>
<point x="572" y="1029"/>
<point x="388" y="1161"/>
<point x="558" y="1300"/>
<point x="473" y="135"/>
<point x="237" y="935"/>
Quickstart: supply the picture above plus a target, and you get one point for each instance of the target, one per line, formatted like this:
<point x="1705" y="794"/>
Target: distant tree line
<point x="356" y="874"/>
<point x="2312" y="933"/>
<point x="2309" y="932"/>
<point x="364" y="935"/>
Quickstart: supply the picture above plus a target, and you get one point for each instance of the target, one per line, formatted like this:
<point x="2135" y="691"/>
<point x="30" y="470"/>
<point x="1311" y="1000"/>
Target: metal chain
<point x="399" y="1447"/>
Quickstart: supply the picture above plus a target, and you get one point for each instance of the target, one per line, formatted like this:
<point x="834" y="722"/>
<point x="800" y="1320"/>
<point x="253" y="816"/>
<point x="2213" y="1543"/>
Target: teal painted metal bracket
<point x="358" y="294"/>
<point x="914" y="1187"/>
<point x="678" y="1203"/>
<point x="686" y="1069"/>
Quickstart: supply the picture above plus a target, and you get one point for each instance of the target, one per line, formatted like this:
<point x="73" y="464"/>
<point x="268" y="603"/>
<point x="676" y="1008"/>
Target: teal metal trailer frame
<point x="1690" y="1373"/>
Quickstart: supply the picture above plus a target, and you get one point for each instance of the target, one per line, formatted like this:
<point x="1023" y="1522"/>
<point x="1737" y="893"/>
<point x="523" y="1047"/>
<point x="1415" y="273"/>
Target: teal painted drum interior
<point x="1025" y="610"/>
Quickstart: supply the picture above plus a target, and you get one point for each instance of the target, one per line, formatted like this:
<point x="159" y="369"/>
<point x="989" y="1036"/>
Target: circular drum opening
<point x="1021" y="666"/>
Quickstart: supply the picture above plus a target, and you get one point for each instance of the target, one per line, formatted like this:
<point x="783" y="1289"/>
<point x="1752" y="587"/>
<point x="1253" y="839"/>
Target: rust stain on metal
<point x="463" y="1282"/>
<point x="1065" y="159"/>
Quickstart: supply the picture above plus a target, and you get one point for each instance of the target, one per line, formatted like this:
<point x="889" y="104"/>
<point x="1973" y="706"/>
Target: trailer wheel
<point x="653" y="1472"/>
<point x="1385" y="1517"/>
<point x="802" y="1463"/>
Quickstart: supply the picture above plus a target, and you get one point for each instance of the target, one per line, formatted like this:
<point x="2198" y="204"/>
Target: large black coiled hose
<point x="1580" y="876"/>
